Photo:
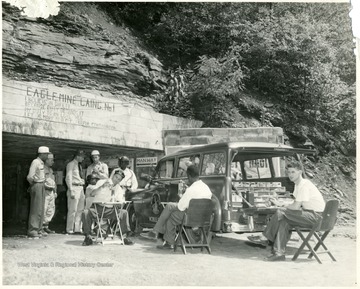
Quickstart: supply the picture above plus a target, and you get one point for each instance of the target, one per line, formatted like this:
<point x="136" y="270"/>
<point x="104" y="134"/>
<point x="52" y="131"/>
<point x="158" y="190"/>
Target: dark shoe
<point x="165" y="246"/>
<point x="34" y="235"/>
<point x="131" y="234"/>
<point x="276" y="258"/>
<point x="149" y="235"/>
<point x="87" y="241"/>
<point x="47" y="230"/>
<point x="258" y="240"/>
<point x="128" y="241"/>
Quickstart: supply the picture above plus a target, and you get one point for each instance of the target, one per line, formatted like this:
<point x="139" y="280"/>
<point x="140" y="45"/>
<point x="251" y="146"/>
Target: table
<point x="116" y="206"/>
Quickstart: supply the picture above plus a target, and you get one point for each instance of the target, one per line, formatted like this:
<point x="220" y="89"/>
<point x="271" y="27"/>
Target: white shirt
<point x="198" y="190"/>
<point x="309" y="196"/>
<point x="104" y="192"/>
<point x="36" y="171"/>
<point x="129" y="181"/>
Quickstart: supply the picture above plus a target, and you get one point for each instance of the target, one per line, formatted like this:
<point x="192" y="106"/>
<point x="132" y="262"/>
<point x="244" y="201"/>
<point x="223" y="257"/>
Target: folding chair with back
<point x="325" y="224"/>
<point x="198" y="215"/>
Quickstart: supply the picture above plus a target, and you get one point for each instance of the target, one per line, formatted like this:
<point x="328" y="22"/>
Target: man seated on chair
<point x="304" y="211"/>
<point x="106" y="190"/>
<point x="173" y="213"/>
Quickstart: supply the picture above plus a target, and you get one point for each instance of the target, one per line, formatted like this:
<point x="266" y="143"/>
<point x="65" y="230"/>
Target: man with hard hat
<point x="97" y="167"/>
<point x="36" y="178"/>
<point x="75" y="193"/>
<point x="50" y="193"/>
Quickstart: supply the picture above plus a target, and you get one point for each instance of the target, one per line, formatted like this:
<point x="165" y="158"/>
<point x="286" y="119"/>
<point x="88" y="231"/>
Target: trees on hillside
<point x="298" y="56"/>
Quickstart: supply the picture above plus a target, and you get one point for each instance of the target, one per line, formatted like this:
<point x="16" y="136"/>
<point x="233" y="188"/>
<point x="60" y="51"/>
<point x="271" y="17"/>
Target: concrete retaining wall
<point x="175" y="140"/>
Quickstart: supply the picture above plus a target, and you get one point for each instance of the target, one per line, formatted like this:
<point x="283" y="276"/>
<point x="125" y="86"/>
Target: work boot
<point x="42" y="233"/>
<point x="47" y="230"/>
<point x="152" y="235"/>
<point x="87" y="241"/>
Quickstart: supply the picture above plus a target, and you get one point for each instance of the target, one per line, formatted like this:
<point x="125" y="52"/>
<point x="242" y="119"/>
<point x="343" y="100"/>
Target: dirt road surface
<point x="61" y="260"/>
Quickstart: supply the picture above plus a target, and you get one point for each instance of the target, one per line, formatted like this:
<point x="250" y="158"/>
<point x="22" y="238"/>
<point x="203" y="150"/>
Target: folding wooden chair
<point x="325" y="224"/>
<point x="114" y="228"/>
<point x="198" y="215"/>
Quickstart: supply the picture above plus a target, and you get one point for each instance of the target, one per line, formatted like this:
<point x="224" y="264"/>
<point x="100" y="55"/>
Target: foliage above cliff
<point x="295" y="57"/>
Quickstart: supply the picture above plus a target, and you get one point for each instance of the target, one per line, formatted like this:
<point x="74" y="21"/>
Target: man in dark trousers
<point x="36" y="178"/>
<point x="173" y="213"/>
<point x="304" y="211"/>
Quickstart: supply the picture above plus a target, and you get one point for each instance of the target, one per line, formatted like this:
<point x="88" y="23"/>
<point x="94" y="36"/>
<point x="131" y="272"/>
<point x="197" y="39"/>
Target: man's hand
<point x="275" y="202"/>
<point x="55" y="195"/>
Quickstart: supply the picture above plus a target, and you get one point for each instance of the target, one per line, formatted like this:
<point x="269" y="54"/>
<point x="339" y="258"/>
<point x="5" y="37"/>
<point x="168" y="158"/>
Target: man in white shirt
<point x="129" y="182"/>
<point x="304" y="211"/>
<point x="173" y="213"/>
<point x="106" y="190"/>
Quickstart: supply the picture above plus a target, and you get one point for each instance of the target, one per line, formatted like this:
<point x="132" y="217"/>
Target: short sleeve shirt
<point x="198" y="190"/>
<point x="309" y="196"/>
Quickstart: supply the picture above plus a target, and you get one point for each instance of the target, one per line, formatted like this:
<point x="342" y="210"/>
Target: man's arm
<point x="68" y="178"/>
<point x="105" y="173"/>
<point x="184" y="201"/>
<point x="32" y="172"/>
<point x="293" y="206"/>
<point x="134" y="182"/>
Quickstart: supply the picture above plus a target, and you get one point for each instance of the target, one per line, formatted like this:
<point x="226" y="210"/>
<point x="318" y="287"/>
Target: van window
<point x="257" y="169"/>
<point x="166" y="169"/>
<point x="184" y="162"/>
<point x="236" y="173"/>
<point x="213" y="164"/>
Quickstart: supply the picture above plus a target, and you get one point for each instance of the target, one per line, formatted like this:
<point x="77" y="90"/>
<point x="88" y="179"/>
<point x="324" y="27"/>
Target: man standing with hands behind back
<point x="75" y="193"/>
<point x="36" y="178"/>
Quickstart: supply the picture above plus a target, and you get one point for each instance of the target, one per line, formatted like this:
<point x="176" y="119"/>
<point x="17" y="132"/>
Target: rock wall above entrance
<point x="44" y="109"/>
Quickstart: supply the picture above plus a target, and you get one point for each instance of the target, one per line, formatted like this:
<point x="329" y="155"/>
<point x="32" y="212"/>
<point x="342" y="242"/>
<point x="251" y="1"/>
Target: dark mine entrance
<point x="18" y="151"/>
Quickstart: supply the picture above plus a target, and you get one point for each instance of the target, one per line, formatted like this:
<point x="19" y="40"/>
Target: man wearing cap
<point x="129" y="182"/>
<point x="75" y="193"/>
<point x="50" y="193"/>
<point x="97" y="167"/>
<point x="36" y="178"/>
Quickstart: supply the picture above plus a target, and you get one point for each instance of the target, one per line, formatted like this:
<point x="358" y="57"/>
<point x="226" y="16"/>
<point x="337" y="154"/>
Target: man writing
<point x="304" y="211"/>
<point x="173" y="213"/>
<point x="106" y="190"/>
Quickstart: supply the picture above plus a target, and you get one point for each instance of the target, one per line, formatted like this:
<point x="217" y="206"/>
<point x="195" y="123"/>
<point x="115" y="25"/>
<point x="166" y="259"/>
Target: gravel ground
<point x="61" y="260"/>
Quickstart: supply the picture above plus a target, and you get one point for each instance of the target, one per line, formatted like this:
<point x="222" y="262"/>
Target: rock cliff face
<point x="81" y="48"/>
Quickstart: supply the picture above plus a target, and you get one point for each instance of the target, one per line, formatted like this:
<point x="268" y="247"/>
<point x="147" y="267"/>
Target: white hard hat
<point x="43" y="150"/>
<point x="95" y="152"/>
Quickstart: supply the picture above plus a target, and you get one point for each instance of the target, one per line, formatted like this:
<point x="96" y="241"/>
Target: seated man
<point x="173" y="213"/>
<point x="106" y="190"/>
<point x="304" y="211"/>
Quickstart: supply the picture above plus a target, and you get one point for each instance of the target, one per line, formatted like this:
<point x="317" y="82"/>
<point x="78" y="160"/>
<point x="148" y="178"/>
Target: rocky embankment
<point x="81" y="48"/>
